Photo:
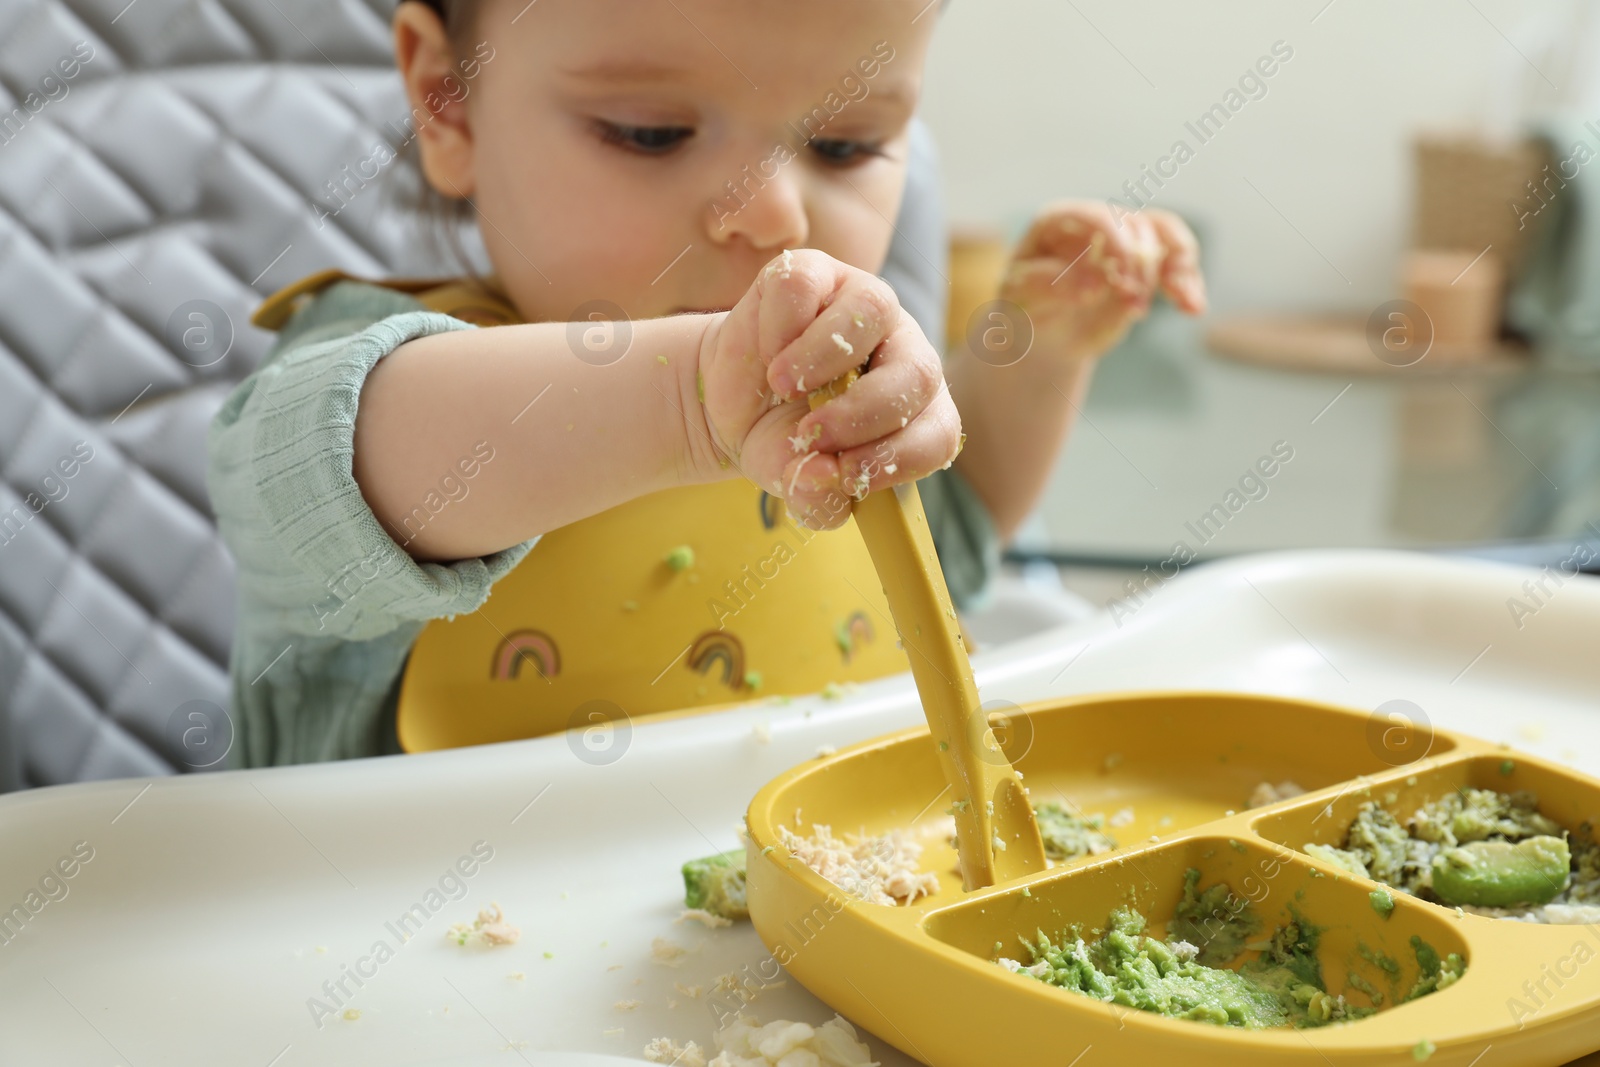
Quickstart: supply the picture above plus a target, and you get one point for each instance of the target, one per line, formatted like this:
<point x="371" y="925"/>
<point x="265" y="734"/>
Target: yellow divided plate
<point x="922" y="976"/>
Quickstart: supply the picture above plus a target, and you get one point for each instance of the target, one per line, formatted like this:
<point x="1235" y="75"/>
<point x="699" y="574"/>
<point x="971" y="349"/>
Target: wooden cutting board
<point x="1338" y="344"/>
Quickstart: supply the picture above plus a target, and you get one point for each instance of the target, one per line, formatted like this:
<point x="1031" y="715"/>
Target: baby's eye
<point x="649" y="140"/>
<point x="843" y="153"/>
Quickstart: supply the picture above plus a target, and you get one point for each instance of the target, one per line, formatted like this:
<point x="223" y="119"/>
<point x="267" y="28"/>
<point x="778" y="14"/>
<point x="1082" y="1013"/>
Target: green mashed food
<point x="1480" y="849"/>
<point x="717" y="884"/>
<point x="1281" y="987"/>
<point x="1068" y="836"/>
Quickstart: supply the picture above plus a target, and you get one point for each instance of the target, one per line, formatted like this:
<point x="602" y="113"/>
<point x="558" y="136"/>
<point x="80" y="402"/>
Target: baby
<point x="596" y="144"/>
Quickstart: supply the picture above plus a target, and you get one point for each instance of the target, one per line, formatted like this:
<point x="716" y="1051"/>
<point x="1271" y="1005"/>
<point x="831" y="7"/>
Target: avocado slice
<point x="1502" y="874"/>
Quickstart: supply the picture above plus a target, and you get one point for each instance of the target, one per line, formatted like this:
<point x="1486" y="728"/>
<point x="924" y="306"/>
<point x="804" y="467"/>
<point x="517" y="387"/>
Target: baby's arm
<point x="569" y="439"/>
<point x="696" y="398"/>
<point x="1082" y="277"/>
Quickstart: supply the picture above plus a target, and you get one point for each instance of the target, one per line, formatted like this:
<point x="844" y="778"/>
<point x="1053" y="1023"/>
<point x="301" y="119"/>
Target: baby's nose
<point x="763" y="204"/>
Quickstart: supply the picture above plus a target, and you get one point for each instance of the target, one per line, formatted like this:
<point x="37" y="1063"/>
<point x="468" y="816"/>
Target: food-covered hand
<point x="805" y="321"/>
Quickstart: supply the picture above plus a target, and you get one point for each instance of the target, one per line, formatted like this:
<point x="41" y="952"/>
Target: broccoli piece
<point x="1382" y="844"/>
<point x="1585" y="866"/>
<point x="717" y="884"/>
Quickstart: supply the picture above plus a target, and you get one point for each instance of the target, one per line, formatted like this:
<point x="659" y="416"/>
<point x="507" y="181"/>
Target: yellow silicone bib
<point x="684" y="599"/>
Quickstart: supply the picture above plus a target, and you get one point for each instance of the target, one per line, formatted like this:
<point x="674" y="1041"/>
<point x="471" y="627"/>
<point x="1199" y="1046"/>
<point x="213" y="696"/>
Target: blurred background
<point x="1431" y="153"/>
<point x="1400" y="223"/>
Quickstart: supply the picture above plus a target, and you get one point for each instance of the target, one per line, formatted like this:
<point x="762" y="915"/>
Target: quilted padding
<point x="148" y="200"/>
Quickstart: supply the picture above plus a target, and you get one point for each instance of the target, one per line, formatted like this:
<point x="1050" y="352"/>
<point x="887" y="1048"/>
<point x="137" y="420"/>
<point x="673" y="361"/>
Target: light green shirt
<point x="329" y="604"/>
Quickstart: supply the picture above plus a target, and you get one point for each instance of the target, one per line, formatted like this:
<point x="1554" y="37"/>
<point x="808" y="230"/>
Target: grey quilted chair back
<point x="163" y="165"/>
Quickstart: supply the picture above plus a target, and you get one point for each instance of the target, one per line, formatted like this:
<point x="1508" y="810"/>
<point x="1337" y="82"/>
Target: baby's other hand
<point x="805" y="321"/>
<point x="1084" y="276"/>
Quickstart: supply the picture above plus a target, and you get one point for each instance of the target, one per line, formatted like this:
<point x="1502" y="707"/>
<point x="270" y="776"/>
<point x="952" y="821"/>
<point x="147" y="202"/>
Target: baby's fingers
<point x="928" y="443"/>
<point x="1180" y="267"/>
<point x="903" y="377"/>
<point x="839" y="339"/>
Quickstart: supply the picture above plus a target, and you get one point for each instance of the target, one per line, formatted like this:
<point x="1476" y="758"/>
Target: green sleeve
<point x="963" y="534"/>
<point x="312" y="558"/>
<point x="329" y="604"/>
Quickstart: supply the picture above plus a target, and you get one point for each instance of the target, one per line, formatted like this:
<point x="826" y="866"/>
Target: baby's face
<point x="605" y="135"/>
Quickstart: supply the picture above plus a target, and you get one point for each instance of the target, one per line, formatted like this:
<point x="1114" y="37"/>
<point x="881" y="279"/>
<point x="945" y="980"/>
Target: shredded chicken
<point x="667" y="952"/>
<point x="703" y="917"/>
<point x="745" y="1042"/>
<point x="666" y="1050"/>
<point x="1267" y="793"/>
<point x="880" y="870"/>
<point x="490" y="928"/>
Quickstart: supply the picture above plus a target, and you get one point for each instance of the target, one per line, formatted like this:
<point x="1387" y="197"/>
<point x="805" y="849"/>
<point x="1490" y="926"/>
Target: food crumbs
<point x="1382" y="902"/>
<point x="1422" y="1050"/>
<point x="703" y="917"/>
<point x="667" y="953"/>
<point x="1508" y="767"/>
<point x="661" y="360"/>
<point x="665" y="1050"/>
<point x="352" y="1014"/>
<point x="752" y="680"/>
<point x="680" y="558"/>
<point x="490" y="927"/>
<point x="700" y="386"/>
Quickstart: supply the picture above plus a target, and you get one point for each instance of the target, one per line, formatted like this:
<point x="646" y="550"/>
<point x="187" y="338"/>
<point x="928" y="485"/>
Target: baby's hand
<point x="807" y="320"/>
<point x="1084" y="277"/>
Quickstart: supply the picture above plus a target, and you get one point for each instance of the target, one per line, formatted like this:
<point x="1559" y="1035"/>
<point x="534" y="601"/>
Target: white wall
<point x="1030" y="102"/>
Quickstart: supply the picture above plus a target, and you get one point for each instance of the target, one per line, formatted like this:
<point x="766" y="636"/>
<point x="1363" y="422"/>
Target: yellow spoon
<point x="996" y="835"/>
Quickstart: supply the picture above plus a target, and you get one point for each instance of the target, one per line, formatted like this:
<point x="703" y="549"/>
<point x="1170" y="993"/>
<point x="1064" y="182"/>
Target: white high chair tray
<point x="215" y="906"/>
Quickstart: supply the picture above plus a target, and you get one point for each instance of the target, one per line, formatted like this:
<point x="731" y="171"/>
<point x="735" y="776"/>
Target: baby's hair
<point x="455" y="14"/>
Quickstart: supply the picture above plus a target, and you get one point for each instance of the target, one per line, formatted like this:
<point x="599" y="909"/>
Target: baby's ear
<point x="427" y="61"/>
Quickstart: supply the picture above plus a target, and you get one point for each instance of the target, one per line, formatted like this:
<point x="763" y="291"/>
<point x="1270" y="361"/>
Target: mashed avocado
<point x="1437" y="972"/>
<point x="1183" y="979"/>
<point x="1068" y="836"/>
<point x="1215" y="921"/>
<point x="1476" y="848"/>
